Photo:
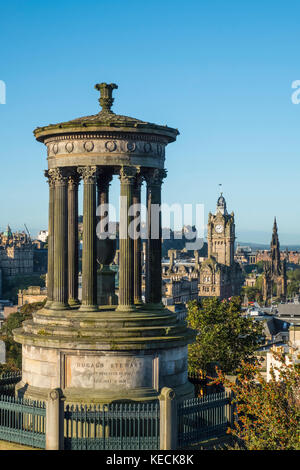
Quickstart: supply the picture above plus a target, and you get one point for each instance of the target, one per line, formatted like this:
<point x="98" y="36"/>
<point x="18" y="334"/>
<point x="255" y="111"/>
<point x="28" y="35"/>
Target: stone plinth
<point x="106" y="286"/>
<point x="104" y="356"/>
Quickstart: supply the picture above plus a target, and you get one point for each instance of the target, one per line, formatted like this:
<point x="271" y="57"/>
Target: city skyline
<point x="225" y="82"/>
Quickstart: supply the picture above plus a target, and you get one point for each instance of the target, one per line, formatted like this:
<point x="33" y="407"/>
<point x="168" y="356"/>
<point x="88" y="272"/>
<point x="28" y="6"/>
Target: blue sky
<point x="221" y="72"/>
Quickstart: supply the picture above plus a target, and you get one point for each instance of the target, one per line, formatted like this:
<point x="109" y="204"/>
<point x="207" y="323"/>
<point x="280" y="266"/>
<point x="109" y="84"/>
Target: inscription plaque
<point x="104" y="372"/>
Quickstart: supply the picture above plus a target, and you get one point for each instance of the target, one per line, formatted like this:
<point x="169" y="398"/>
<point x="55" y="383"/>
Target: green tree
<point x="268" y="413"/>
<point x="12" y="287"/>
<point x="253" y="293"/>
<point x="259" y="283"/>
<point x="260" y="266"/>
<point x="225" y="336"/>
<point x="293" y="282"/>
<point x="294" y="274"/>
<point x="292" y="288"/>
<point x="14" y="321"/>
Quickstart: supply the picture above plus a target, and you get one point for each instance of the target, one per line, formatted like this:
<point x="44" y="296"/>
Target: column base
<point x="126" y="308"/>
<point x="89" y="308"/>
<point x="48" y="303"/>
<point x="73" y="302"/>
<point x="59" y="306"/>
<point x="154" y="306"/>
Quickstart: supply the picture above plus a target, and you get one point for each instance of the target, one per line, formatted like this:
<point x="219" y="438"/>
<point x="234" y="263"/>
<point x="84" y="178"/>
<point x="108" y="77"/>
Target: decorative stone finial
<point x="106" y="100"/>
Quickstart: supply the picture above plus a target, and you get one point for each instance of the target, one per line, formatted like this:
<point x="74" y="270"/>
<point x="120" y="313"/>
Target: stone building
<point x="274" y="275"/>
<point x="244" y="255"/>
<point x="179" y="289"/>
<point x="251" y="279"/>
<point x="290" y="256"/>
<point x="16" y="254"/>
<point x="180" y="279"/>
<point x="219" y="275"/>
<point x="31" y="295"/>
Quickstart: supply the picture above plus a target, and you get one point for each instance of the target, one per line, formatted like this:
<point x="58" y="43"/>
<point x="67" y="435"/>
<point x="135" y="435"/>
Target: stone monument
<point x="102" y="353"/>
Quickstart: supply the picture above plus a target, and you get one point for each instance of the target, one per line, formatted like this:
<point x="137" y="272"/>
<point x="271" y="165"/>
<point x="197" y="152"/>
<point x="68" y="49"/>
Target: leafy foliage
<point x="253" y="293"/>
<point x="14" y="321"/>
<point x="268" y="412"/>
<point x="11" y="287"/>
<point x="224" y="336"/>
<point x="293" y="282"/>
<point x="260" y="266"/>
<point x="294" y="275"/>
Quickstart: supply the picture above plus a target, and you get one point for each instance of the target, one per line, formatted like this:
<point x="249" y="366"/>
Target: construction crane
<point x="27" y="231"/>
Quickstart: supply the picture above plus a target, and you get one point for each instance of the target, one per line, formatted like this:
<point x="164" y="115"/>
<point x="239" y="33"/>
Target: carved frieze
<point x="69" y="147"/>
<point x="89" y="145"/>
<point x="104" y="146"/>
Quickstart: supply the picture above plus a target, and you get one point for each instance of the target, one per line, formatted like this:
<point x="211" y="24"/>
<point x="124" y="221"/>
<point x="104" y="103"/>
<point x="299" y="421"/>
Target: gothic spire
<point x="275" y="249"/>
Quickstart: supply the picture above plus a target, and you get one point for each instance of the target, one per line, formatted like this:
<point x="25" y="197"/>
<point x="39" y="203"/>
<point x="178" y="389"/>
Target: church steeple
<point x="274" y="277"/>
<point x="275" y="249"/>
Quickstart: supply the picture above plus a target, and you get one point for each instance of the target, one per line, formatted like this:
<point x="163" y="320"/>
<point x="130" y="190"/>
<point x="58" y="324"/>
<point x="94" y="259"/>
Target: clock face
<point x="219" y="228"/>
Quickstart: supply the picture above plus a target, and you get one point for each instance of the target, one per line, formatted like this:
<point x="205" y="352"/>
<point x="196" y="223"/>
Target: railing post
<point x="232" y="409"/>
<point x="229" y="392"/>
<point x="54" y="420"/>
<point x="168" y="419"/>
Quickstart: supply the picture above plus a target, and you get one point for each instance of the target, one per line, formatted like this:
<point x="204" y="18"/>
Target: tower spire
<point x="221" y="204"/>
<point x="275" y="249"/>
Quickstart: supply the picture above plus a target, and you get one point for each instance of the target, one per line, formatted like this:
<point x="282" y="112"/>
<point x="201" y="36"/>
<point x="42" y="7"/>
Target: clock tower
<point x="221" y="234"/>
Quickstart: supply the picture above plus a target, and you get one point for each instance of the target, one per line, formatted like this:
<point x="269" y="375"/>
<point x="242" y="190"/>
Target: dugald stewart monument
<point x="103" y="353"/>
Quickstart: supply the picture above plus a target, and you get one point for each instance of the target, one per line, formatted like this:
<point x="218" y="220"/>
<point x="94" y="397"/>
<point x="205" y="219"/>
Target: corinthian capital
<point x="50" y="178"/>
<point x="88" y="173"/>
<point x="58" y="176"/>
<point x="104" y="179"/>
<point x="155" y="176"/>
<point x="128" y="174"/>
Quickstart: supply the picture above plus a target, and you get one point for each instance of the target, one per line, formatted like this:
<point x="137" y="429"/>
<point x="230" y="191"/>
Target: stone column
<point x="89" y="271"/>
<point x="137" y="243"/>
<point x="60" y="281"/>
<point x="50" y="274"/>
<point x="153" y="258"/>
<point x="126" y="269"/>
<point x="73" y="182"/>
<point x="103" y="183"/>
<point x="105" y="246"/>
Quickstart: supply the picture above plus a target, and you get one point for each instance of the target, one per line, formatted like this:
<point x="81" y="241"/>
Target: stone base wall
<point x="104" y="376"/>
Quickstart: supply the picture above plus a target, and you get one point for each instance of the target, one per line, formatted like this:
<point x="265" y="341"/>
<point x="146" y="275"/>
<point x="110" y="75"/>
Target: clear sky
<point x="219" y="71"/>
